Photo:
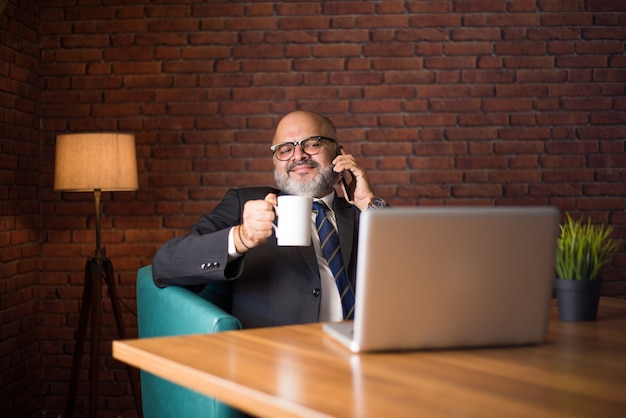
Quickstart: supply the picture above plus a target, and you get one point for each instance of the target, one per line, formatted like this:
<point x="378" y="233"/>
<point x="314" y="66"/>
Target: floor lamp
<point x="96" y="162"/>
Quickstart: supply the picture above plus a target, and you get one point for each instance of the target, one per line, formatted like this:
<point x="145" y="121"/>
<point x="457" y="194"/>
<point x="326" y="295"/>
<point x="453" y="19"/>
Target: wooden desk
<point x="299" y="371"/>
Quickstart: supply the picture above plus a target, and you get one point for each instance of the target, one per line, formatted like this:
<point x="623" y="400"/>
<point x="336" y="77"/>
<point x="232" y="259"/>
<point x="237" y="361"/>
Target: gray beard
<point x="320" y="186"/>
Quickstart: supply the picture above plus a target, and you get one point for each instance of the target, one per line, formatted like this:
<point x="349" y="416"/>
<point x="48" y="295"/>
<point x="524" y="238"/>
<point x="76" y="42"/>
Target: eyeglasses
<point x="311" y="146"/>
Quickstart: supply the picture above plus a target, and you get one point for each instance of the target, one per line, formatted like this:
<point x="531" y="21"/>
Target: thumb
<point x="271" y="199"/>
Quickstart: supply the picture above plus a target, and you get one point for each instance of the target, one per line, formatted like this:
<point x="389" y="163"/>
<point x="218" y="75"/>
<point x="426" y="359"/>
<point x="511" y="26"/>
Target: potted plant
<point x="582" y="250"/>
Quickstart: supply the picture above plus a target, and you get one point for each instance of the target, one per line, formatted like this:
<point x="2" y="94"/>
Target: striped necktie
<point x="329" y="241"/>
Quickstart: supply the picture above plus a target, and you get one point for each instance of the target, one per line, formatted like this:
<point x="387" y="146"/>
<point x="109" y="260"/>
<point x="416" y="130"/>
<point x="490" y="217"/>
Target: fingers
<point x="347" y="162"/>
<point x="258" y="218"/>
<point x="360" y="185"/>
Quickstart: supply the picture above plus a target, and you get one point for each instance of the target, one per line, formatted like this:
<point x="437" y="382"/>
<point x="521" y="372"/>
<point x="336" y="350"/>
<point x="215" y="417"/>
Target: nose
<point x="299" y="154"/>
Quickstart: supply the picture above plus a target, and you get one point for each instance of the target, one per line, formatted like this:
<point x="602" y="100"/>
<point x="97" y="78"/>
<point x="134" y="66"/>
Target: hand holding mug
<point x="258" y="218"/>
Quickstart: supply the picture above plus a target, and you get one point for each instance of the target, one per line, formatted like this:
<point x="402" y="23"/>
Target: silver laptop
<point x="434" y="278"/>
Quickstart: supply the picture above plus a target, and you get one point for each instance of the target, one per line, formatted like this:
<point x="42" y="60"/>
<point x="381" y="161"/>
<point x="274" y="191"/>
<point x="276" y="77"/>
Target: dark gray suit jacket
<point x="271" y="285"/>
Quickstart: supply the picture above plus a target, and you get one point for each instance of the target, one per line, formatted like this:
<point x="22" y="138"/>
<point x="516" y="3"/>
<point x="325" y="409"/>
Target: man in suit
<point x="235" y="243"/>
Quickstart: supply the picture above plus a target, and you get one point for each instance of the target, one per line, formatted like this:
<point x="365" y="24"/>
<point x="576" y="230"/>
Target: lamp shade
<point x="95" y="161"/>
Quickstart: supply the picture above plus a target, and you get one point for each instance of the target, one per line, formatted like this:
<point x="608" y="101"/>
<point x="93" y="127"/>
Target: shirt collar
<point x="329" y="199"/>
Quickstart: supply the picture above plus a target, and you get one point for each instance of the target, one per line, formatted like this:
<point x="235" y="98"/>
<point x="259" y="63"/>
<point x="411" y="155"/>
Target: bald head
<point x="302" y="124"/>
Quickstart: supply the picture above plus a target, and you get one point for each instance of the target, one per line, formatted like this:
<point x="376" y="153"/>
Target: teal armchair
<point x="178" y="311"/>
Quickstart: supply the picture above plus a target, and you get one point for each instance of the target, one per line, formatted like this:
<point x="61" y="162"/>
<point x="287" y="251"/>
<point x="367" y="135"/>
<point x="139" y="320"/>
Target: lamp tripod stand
<point x="97" y="268"/>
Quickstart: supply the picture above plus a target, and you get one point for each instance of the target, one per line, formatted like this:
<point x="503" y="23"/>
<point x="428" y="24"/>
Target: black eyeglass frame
<point x="299" y="143"/>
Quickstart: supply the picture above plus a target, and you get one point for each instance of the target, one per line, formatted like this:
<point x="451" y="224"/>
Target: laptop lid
<point x="430" y="278"/>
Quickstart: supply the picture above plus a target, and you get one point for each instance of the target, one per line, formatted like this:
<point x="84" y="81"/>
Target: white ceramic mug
<point x="294" y="220"/>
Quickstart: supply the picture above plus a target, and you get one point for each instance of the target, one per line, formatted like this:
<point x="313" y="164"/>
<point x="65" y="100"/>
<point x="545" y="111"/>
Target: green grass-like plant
<point x="583" y="249"/>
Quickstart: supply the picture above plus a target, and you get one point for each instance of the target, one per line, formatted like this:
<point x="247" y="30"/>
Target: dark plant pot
<point x="578" y="299"/>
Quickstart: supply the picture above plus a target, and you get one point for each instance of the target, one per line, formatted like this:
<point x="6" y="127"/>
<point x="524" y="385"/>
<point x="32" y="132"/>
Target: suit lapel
<point x="346" y="225"/>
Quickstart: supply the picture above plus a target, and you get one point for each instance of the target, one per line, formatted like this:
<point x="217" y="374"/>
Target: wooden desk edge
<point x="237" y="396"/>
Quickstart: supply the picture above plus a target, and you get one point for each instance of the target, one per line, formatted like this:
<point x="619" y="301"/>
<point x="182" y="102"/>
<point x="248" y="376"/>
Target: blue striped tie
<point x="329" y="241"/>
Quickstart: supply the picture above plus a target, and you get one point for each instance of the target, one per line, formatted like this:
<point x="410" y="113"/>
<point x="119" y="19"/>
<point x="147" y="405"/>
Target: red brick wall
<point x="463" y="102"/>
<point x="20" y="226"/>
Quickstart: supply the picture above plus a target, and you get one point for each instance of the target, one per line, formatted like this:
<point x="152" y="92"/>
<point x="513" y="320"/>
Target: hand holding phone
<point x="347" y="191"/>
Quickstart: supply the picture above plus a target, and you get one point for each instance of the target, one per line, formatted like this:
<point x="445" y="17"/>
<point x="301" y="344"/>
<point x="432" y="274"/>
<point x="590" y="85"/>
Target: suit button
<point x="210" y="265"/>
<point x="316" y="292"/>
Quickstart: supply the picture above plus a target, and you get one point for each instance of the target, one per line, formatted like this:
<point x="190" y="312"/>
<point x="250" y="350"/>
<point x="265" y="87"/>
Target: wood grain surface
<point x="299" y="371"/>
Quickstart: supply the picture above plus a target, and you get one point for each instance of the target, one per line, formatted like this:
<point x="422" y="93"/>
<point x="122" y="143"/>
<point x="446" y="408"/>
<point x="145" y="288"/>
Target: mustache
<point x="309" y="163"/>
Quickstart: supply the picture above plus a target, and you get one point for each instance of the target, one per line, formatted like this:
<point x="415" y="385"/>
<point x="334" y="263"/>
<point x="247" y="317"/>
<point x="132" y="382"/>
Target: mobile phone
<point x="348" y="192"/>
<point x="342" y="176"/>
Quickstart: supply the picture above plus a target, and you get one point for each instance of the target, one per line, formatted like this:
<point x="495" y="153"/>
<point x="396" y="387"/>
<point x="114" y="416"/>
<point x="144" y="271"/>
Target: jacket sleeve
<point x="202" y="254"/>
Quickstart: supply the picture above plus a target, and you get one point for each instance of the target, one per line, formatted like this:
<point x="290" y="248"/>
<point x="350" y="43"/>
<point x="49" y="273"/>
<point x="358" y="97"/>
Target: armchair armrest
<point x="178" y="311"/>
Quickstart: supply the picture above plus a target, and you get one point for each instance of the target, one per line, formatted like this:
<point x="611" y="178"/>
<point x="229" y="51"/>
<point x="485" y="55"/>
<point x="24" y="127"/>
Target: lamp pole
<point x="96" y="195"/>
<point x="97" y="268"/>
